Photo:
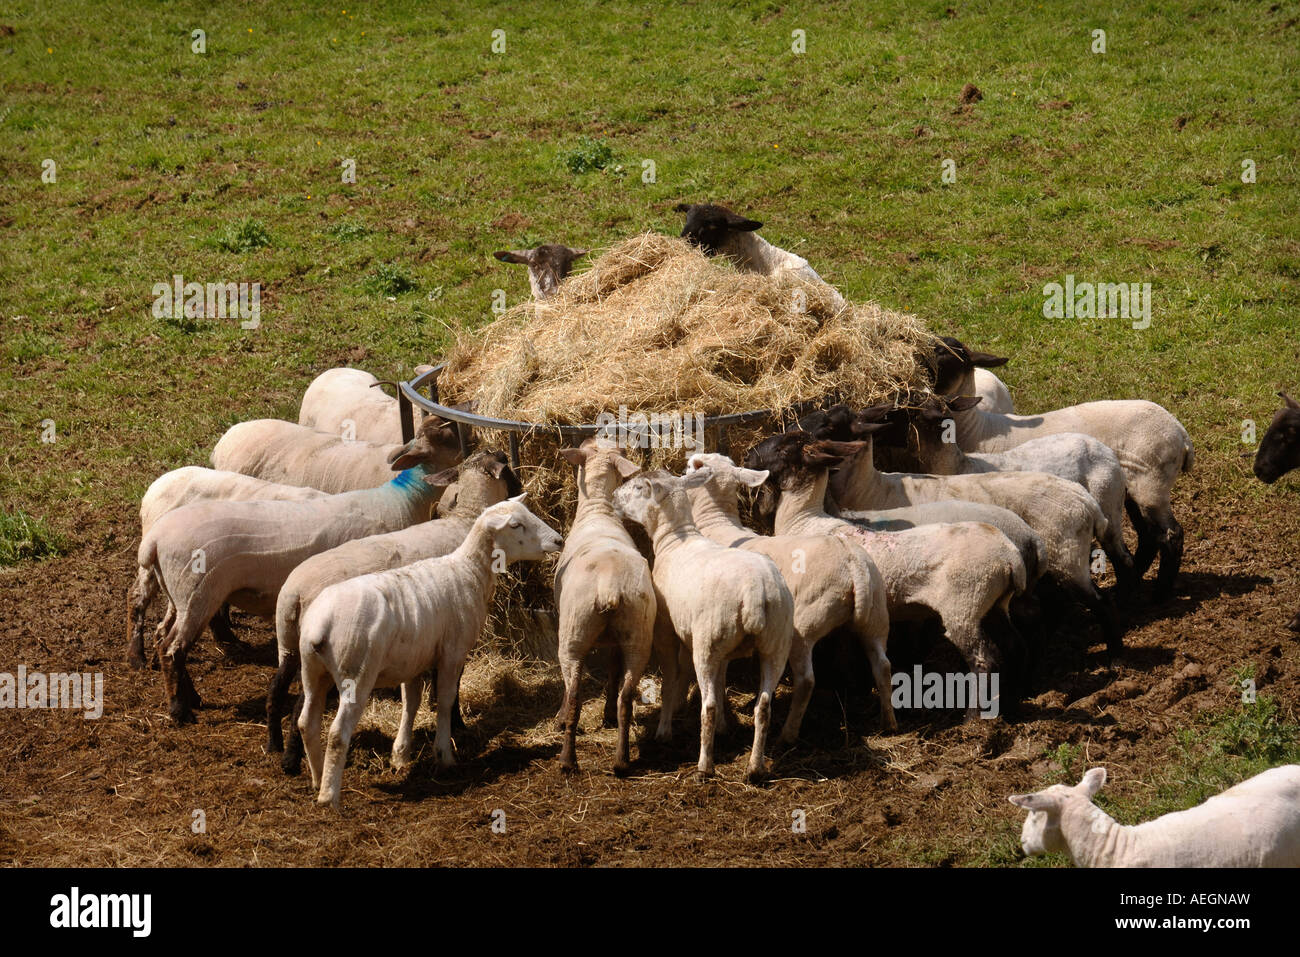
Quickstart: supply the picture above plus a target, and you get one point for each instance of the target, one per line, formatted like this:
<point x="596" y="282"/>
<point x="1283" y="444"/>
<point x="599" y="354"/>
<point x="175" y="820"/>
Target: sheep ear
<point x="697" y="478"/>
<point x="1092" y="781"/>
<point x="397" y="453"/>
<point x="514" y="256"/>
<point x="986" y="360"/>
<point x="1031" y="802"/>
<point x="741" y="224"/>
<point x="577" y="253"/>
<point x="518" y="498"/>
<point x="625" y="468"/>
<point x="576" y="457"/>
<point x="443" y="478"/>
<point x="751" y="477"/>
<point x="1290" y="402"/>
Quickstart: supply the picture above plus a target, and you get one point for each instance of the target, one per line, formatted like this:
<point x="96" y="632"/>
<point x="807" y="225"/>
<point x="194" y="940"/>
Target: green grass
<point x="24" y="538"/>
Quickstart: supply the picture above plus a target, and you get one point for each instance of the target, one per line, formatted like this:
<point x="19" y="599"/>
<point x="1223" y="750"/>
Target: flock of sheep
<point x="979" y="512"/>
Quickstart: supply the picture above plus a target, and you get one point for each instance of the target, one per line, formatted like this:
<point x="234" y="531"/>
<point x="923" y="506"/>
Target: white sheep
<point x="1073" y="456"/>
<point x="393" y="627"/>
<point x="994" y="392"/>
<point x="350" y="403"/>
<point x="717" y="230"/>
<point x="283" y="452"/>
<point x="833" y="582"/>
<point x="210" y="553"/>
<point x="483" y="479"/>
<point x="194" y="483"/>
<point x="721" y="603"/>
<point x="1254" y="824"/>
<point x="604" y="595"/>
<point x="960" y="573"/>
<point x="1152" y="446"/>
<point x="547" y="265"/>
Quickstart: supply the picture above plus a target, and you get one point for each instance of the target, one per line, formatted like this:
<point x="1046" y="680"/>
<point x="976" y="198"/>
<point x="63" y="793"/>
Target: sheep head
<point x="710" y="226"/>
<point x="1042" y="833"/>
<point x="547" y="264"/>
<point x="435" y="446"/>
<point x="1279" y="450"/>
<point x="651" y="497"/>
<point x="953" y="365"/>
<point x="519" y="534"/>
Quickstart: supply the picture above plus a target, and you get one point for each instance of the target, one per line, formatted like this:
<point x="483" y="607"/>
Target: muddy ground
<point x="125" y="789"/>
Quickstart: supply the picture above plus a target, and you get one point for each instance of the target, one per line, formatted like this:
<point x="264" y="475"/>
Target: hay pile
<point x="658" y="327"/>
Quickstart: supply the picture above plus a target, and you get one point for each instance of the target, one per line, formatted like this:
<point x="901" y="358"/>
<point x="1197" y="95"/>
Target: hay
<point x="657" y="327"/>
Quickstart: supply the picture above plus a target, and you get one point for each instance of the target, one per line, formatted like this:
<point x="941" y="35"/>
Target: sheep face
<point x="518" y="533"/>
<point x="434" y="445"/>
<point x="547" y="265"/>
<point x="727" y="476"/>
<point x="1279" y="450"/>
<point x="710" y="226"/>
<point x="1041" y="833"/>
<point x="644" y="498"/>
<point x="953" y="364"/>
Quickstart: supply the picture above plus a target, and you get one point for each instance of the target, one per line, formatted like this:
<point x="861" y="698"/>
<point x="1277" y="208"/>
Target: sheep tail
<point x="1188" y="455"/>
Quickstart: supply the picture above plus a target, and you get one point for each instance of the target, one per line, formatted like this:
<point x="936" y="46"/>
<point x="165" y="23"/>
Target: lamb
<point x="960" y="573"/>
<point x="547" y="265"/>
<point x="283" y="452"/>
<point x="604" y="595"/>
<point x="483" y="479"/>
<point x="1152" y="446"/>
<point x="209" y="553"/>
<point x="349" y="403"/>
<point x="1254" y="824"/>
<point x="832" y="580"/>
<point x="1073" y="456"/>
<point x="1060" y="511"/>
<point x="392" y="627"/>
<point x="716" y="229"/>
<point x="721" y="603"/>
<point x="1279" y="453"/>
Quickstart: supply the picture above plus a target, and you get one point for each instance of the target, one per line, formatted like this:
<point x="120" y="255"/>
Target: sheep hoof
<point x="291" y="764"/>
<point x="569" y="768"/>
<point x="136" y="662"/>
<point x="756" y="776"/>
<point x="621" y="769"/>
<point x="701" y="775"/>
<point x="182" y="714"/>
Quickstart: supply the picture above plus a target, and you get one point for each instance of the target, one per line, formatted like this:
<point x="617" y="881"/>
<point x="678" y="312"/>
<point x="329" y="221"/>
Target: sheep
<point x="994" y="392"/>
<point x="721" y="603"/>
<point x="547" y="265"/>
<point x="193" y="483"/>
<point x="1279" y="453"/>
<point x="1152" y="446"/>
<point x="392" y="627"/>
<point x="1073" y="456"/>
<point x="210" y="553"/>
<point x="283" y="452"/>
<point x="832" y="580"/>
<point x="960" y="573"/>
<point x="1061" y="511"/>
<point x="1254" y="824"/>
<point x="349" y="403"/>
<point x="716" y="229"/>
<point x="483" y="479"/>
<point x="604" y="595"/>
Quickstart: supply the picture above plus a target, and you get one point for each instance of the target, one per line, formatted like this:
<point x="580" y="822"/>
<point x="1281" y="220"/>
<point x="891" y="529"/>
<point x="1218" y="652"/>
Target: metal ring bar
<point x="408" y="397"/>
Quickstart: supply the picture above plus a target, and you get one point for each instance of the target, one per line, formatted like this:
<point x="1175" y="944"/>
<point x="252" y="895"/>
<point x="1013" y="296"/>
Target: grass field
<point x="228" y="166"/>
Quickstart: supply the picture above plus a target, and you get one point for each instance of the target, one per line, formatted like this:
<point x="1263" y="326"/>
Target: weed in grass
<point x="24" y="537"/>
<point x="589" y="155"/>
<point x="346" y="230"/>
<point x="243" y="236"/>
<point x="389" y="279"/>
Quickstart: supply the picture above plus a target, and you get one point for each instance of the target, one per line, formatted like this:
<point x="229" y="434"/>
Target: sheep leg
<point x="1126" y="577"/>
<point x="981" y="657"/>
<point x="610" y="718"/>
<point x="411" y="693"/>
<point x="1147" y="544"/>
<point x="336" y="753"/>
<point x="431" y="683"/>
<point x="138" y="598"/>
<point x="222" y="630"/>
<point x="1104" y="614"/>
<point x="316" y="682"/>
<point x="634" y="662"/>
<point x="665" y="645"/>
<point x="801" y="670"/>
<point x="770" y="668"/>
<point x="1171" y="556"/>
<point x="277" y="697"/>
<point x="448" y="686"/>
<point x="709" y="675"/>
<point x="571" y="669"/>
<point x="874" y="646"/>
<point x="183" y="698"/>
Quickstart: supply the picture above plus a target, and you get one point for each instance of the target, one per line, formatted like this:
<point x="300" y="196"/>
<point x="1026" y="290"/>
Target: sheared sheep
<point x="994" y="392"/>
<point x="279" y="451"/>
<point x="961" y="573"/>
<point x="547" y="265"/>
<point x="721" y="603"/>
<point x="833" y="581"/>
<point x="1152" y="446"/>
<point x="210" y="553"/>
<point x="393" y="627"/>
<point x="604" y="596"/>
<point x="482" y="480"/>
<point x="1254" y="824"/>
<point x="717" y="230"/>
<point x="350" y="403"/>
